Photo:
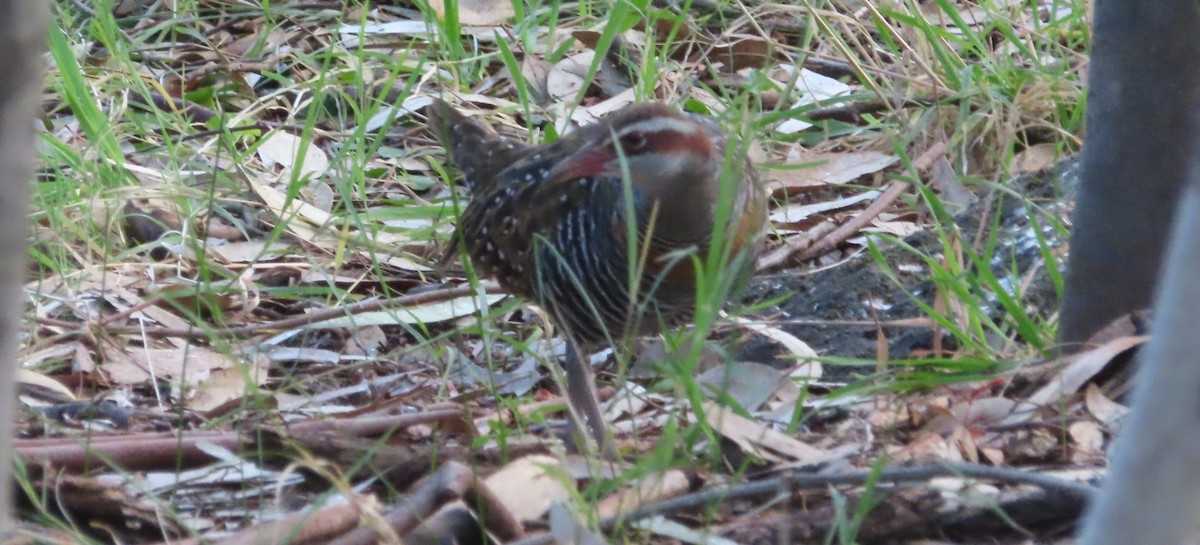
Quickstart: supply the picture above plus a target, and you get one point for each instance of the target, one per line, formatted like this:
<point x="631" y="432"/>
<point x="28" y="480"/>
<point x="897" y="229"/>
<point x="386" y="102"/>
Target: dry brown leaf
<point x="1087" y="440"/>
<point x="134" y="365"/>
<point x="813" y="88"/>
<point x="749" y="384"/>
<point x="982" y="412"/>
<point x="945" y="181"/>
<point x="828" y="168"/>
<point x="746" y="52"/>
<point x="439" y="311"/>
<point x="628" y="401"/>
<point x="529" y="486"/>
<point x="898" y="228"/>
<point x="350" y="34"/>
<point x="84" y="360"/>
<point x="283" y="149"/>
<point x="249" y="251"/>
<point x="52" y="352"/>
<point x="807" y="366"/>
<point x="129" y="298"/>
<point x="1034" y="158"/>
<point x="678" y="532"/>
<point x="566" y="528"/>
<point x="599" y="110"/>
<point x="1082" y="369"/>
<point x="294" y="209"/>
<point x="964" y="441"/>
<point x="478" y="12"/>
<point x="793" y="213"/>
<point x="754" y="438"/>
<point x="1107" y="411"/>
<point x="238" y="48"/>
<point x="225" y="385"/>
<point x="924" y="447"/>
<point x="886" y="411"/>
<point x="536" y="70"/>
<point x="993" y="455"/>
<point x="31" y="378"/>
<point x="565" y="79"/>
<point x="650" y="489"/>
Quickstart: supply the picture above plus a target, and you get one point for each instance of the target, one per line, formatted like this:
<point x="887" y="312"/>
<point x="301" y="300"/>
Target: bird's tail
<point x="471" y="146"/>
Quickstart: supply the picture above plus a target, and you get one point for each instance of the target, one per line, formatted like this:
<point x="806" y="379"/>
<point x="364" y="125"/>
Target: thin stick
<point x="286" y="323"/>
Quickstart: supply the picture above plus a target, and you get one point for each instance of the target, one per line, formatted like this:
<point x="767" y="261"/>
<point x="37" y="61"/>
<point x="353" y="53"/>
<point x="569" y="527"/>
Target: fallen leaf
<point x="290" y="210"/>
<point x="953" y="193"/>
<point x="1034" y="158"/>
<point x="284" y="149"/>
<point x="529" y="486"/>
<point x="827" y="168"/>
<point x="225" y="385"/>
<point x="1088" y="441"/>
<point x="982" y="412"/>
<point x="676" y="531"/>
<point x="536" y="72"/>
<point x="900" y="229"/>
<point x="302" y="354"/>
<point x="749" y="384"/>
<point x="814" y="88"/>
<point x="566" y="529"/>
<point x="924" y="446"/>
<point x="807" y="368"/>
<point x="477" y="12"/>
<point x="1080" y="371"/>
<point x="756" y="439"/>
<point x="249" y="251"/>
<point x="421" y="314"/>
<point x="26" y="377"/>
<point x="403" y="27"/>
<point x="746" y="52"/>
<point x="133" y="365"/>
<point x="793" y="213"/>
<point x="1105" y="410"/>
<point x="650" y="489"/>
<point x="628" y="401"/>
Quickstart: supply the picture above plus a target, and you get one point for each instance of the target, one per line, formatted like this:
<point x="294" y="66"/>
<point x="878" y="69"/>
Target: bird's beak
<point x="586" y="162"/>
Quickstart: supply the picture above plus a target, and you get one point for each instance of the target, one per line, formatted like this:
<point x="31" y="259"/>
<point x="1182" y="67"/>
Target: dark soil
<point x="847" y="292"/>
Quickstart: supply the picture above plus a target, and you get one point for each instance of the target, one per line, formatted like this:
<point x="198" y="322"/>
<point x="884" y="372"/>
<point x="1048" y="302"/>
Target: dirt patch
<point x="860" y="290"/>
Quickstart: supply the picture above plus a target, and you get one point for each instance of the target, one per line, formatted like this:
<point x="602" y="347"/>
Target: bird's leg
<point x="581" y="395"/>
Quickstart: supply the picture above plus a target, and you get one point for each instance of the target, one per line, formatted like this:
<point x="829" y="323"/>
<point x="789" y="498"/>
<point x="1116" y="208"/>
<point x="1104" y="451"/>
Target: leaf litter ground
<point x="243" y="331"/>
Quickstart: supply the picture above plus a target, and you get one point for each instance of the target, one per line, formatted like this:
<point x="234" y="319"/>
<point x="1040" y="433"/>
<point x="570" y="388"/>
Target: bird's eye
<point x="634" y="141"/>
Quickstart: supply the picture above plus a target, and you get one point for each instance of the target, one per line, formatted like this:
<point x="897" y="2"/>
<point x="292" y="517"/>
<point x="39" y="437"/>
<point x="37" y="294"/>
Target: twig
<point x="852" y="227"/>
<point x="144" y="451"/>
<point x="852" y="113"/>
<point x="265" y="64"/>
<point x="780" y="255"/>
<point x="796" y="480"/>
<point x="451" y="482"/>
<point x="286" y="323"/>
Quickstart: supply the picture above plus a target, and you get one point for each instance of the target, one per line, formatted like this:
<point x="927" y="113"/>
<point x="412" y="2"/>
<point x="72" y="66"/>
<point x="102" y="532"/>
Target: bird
<point x="558" y="224"/>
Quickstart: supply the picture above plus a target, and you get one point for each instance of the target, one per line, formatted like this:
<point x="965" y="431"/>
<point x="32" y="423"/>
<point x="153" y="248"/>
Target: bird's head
<point x="663" y="151"/>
